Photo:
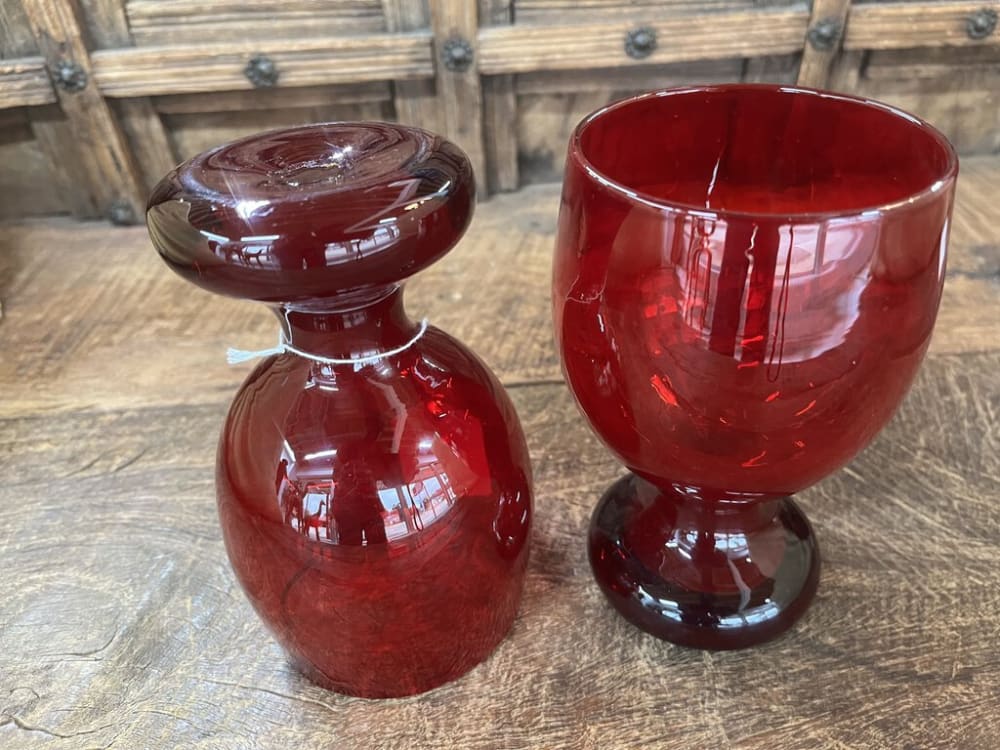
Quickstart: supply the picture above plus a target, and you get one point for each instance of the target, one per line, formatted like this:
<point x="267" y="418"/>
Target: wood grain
<point x="460" y="96"/>
<point x="196" y="132"/>
<point x="814" y="69"/>
<point x="926" y="24"/>
<point x="499" y="110"/>
<point x="153" y="57"/>
<point x="34" y="158"/>
<point x="26" y="178"/>
<point x="24" y="83"/>
<point x="561" y="11"/>
<point x="274" y="98"/>
<point x="111" y="176"/>
<point x="415" y="101"/>
<point x="518" y="49"/>
<point x="154" y="22"/>
<point x="963" y="99"/>
<point x="139" y="118"/>
<point x="121" y="624"/>
<point x="154" y="71"/>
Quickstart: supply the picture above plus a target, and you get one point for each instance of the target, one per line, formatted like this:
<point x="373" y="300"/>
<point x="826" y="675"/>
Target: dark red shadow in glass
<point x="745" y="283"/>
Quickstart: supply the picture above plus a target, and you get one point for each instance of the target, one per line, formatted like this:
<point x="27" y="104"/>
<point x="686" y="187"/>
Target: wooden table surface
<point x="121" y="624"/>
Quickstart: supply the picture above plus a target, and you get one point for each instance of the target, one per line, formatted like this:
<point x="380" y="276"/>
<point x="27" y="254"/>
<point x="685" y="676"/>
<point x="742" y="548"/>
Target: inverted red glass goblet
<point x="745" y="283"/>
<point x="373" y="481"/>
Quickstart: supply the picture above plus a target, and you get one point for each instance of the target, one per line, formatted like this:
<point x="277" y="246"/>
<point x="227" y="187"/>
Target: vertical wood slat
<point x="49" y="128"/>
<point x="817" y="59"/>
<point x="71" y="173"/>
<point x="139" y="119"/>
<point x="460" y="97"/>
<point x="16" y="39"/>
<point x="111" y="176"/>
<point x="415" y="101"/>
<point x="770" y="69"/>
<point x="500" y="110"/>
<point x="846" y="71"/>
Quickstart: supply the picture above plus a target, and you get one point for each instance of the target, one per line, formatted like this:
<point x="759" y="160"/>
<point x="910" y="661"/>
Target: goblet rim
<point x="632" y="195"/>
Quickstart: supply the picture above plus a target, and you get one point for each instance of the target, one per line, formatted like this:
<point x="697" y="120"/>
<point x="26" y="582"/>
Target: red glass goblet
<point x="373" y="481"/>
<point x="745" y="282"/>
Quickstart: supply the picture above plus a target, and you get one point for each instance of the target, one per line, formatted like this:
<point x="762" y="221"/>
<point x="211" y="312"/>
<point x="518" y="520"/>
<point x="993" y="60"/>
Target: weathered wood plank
<point x="195" y="132"/>
<point x="140" y="121"/>
<point x="499" y="109"/>
<point x="926" y="24"/>
<point x="460" y="97"/>
<point x="771" y="69"/>
<point x="26" y="178"/>
<point x="153" y="71"/>
<point x="519" y="48"/>
<point x="613" y="80"/>
<point x="43" y="158"/>
<point x="112" y="177"/>
<point x="24" y="83"/>
<point x="144" y="129"/>
<point x="823" y="39"/>
<point x="274" y="98"/>
<point x="69" y="168"/>
<point x="415" y="102"/>
<point x="563" y="11"/>
<point x="963" y="101"/>
<point x="500" y="132"/>
<point x="154" y="22"/>
<point x="106" y="23"/>
<point x="16" y="39"/>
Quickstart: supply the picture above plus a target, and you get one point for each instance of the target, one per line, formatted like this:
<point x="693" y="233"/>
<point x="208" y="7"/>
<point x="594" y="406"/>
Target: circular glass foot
<point x="713" y="575"/>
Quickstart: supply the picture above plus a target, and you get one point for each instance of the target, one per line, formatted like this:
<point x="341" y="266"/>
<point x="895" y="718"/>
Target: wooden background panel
<point x="35" y="165"/>
<point x="571" y="11"/>
<point x="193" y="132"/>
<point x="274" y="98"/>
<point x="157" y="71"/>
<point x="772" y="68"/>
<point x="156" y="22"/>
<point x="523" y="48"/>
<point x="16" y="39"/>
<point x="900" y="25"/>
<point x="24" y="82"/>
<point x="26" y="176"/>
<point x="957" y="91"/>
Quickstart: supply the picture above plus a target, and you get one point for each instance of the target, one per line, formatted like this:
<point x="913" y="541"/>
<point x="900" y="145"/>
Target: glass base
<point x="712" y="575"/>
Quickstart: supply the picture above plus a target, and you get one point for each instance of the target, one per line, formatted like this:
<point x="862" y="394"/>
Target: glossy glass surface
<point x="290" y="215"/>
<point x="376" y="512"/>
<point x="746" y="279"/>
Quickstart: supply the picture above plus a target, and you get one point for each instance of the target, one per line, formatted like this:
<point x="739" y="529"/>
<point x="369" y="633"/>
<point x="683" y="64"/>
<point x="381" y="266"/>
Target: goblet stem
<point x="703" y="574"/>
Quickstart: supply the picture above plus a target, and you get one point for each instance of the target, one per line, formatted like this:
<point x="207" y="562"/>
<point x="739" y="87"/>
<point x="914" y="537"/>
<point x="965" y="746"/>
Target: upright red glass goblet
<point x="745" y="283"/>
<point x="373" y="481"/>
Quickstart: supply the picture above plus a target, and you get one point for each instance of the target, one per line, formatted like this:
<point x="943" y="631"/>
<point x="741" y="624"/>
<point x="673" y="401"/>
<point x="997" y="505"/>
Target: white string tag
<point x="236" y="356"/>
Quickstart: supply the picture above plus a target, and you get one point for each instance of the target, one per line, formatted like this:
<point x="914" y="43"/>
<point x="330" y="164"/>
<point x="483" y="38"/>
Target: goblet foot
<point x="702" y="574"/>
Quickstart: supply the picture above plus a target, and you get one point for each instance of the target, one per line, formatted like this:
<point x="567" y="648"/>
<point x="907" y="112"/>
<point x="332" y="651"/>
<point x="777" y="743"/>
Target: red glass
<point x="745" y="282"/>
<point x="376" y="512"/>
